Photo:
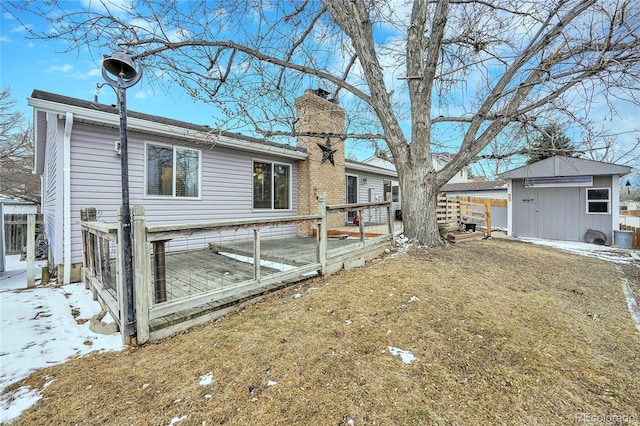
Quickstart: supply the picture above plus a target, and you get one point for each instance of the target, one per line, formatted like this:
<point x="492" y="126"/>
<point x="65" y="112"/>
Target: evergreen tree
<point x="550" y="143"/>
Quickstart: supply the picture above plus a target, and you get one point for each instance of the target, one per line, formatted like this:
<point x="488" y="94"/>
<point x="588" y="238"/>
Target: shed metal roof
<point x="565" y="166"/>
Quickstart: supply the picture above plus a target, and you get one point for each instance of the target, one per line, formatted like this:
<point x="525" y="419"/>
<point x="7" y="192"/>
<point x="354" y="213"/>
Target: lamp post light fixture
<point x="120" y="65"/>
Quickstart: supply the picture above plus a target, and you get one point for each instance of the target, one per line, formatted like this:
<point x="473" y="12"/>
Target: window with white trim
<point x="393" y="189"/>
<point x="271" y="186"/>
<point x="173" y="171"/>
<point x="598" y="200"/>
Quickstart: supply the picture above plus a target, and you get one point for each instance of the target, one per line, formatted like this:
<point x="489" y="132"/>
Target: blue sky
<point x="27" y="64"/>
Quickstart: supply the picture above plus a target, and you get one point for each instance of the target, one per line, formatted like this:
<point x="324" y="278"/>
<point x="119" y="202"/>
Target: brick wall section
<point x="317" y="114"/>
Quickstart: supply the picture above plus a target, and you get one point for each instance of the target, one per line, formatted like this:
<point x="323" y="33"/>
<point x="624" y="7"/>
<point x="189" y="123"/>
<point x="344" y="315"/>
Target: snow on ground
<point x="616" y="255"/>
<point x="38" y="329"/>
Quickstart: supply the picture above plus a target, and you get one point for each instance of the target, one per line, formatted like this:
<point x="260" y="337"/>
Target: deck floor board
<point x="194" y="272"/>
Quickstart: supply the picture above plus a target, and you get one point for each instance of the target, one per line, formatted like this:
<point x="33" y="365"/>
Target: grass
<point x="504" y="333"/>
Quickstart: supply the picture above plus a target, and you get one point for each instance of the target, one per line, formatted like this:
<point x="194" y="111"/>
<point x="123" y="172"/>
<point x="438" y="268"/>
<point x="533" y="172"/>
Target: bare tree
<point x="412" y="75"/>
<point x="16" y="153"/>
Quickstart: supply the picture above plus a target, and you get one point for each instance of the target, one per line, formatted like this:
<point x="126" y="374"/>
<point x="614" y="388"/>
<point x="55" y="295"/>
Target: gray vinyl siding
<point x="557" y="213"/>
<point x="226" y="185"/>
<point x="370" y="192"/>
<point x="52" y="189"/>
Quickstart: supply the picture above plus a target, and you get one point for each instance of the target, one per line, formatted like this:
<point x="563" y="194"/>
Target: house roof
<point x="13" y="205"/>
<point x="565" y="166"/>
<point x="493" y="185"/>
<point x="368" y="168"/>
<point x="107" y="115"/>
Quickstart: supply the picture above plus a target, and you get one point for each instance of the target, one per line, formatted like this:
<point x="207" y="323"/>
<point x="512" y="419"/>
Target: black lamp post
<point x="120" y="65"/>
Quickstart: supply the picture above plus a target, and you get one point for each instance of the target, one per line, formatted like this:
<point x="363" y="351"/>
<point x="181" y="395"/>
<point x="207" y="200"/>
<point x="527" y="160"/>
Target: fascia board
<point x="370" y="169"/>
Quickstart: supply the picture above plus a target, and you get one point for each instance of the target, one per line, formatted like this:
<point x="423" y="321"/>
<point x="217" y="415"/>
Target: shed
<point x="561" y="198"/>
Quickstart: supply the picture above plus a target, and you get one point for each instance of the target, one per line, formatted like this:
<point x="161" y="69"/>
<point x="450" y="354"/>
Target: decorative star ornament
<point x="327" y="152"/>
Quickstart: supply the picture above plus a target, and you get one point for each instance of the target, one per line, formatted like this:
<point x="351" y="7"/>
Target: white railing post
<point x="142" y="288"/>
<point x="322" y="233"/>
<point x="256" y="254"/>
<point x="31" y="247"/>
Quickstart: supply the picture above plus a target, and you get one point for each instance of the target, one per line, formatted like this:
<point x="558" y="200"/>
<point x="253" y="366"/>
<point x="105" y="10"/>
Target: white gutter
<point x="66" y="194"/>
<point x="164" y="129"/>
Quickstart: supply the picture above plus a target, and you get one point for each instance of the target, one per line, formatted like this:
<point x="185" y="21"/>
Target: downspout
<point x="66" y="202"/>
<point x="615" y="205"/>
<point x="510" y="207"/>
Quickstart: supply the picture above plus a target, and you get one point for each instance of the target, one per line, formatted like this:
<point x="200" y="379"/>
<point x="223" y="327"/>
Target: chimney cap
<point x="321" y="92"/>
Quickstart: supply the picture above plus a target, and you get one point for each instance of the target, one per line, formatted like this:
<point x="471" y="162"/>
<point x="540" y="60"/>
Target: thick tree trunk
<point x="419" y="202"/>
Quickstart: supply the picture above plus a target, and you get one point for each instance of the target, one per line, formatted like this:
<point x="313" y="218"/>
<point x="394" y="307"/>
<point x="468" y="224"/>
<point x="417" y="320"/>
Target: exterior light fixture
<point x="120" y="65"/>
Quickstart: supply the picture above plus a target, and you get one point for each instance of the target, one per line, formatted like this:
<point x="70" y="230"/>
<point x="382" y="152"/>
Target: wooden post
<point x="487" y="206"/>
<point x="256" y="254"/>
<point x="390" y="222"/>
<point x="31" y="250"/>
<point x="322" y="233"/>
<point x="361" y="224"/>
<point x="84" y="235"/>
<point x="159" y="272"/>
<point x="142" y="286"/>
<point x="88" y="214"/>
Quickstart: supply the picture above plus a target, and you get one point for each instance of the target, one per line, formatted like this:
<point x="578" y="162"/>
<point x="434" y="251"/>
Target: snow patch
<point x="609" y="254"/>
<point x="406" y="356"/>
<point x="176" y="420"/>
<point x="41" y="327"/>
<point x="207" y="379"/>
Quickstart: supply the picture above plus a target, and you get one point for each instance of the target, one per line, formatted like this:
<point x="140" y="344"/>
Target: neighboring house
<point x="182" y="172"/>
<point x="440" y="160"/>
<point x="484" y="189"/>
<point x="629" y="203"/>
<point x="11" y="206"/>
<point x="561" y="198"/>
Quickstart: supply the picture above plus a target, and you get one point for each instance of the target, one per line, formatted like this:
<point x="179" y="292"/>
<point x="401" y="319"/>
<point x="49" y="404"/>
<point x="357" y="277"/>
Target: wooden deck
<point x="177" y="287"/>
<point x="199" y="271"/>
<point x="191" y="273"/>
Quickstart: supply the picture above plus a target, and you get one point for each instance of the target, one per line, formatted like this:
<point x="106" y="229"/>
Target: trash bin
<point x="623" y="239"/>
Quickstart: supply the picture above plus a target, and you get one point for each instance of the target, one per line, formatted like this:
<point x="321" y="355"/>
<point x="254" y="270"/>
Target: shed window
<point x="173" y="171"/>
<point x="271" y="186"/>
<point x="598" y="200"/>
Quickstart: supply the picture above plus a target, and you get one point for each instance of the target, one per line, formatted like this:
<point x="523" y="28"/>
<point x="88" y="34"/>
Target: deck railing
<point x="168" y="299"/>
<point x="101" y="262"/>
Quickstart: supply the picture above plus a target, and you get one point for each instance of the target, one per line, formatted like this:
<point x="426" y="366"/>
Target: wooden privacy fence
<point x="636" y="235"/>
<point x="215" y="266"/>
<point x="451" y="210"/>
<point x="15" y="232"/>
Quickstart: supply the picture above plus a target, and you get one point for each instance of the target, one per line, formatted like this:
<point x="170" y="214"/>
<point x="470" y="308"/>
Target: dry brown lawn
<point x="503" y="332"/>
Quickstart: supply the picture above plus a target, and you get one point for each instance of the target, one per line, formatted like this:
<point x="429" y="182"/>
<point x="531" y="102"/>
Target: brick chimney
<point x="317" y="114"/>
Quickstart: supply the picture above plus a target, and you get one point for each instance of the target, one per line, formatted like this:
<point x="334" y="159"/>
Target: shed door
<point x="549" y="213"/>
<point x="528" y="215"/>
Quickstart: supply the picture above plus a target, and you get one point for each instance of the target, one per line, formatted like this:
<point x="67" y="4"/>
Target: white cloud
<point x="21" y="28"/>
<point x="141" y="94"/>
<point x="59" y="68"/>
